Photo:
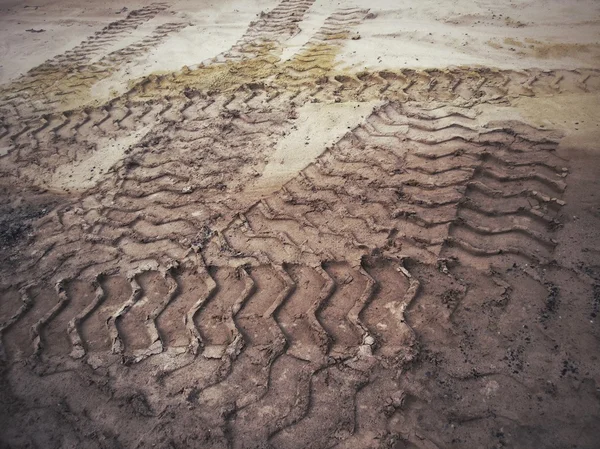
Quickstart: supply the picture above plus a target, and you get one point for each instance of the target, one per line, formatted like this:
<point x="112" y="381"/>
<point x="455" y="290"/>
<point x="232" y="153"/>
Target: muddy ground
<point x="284" y="245"/>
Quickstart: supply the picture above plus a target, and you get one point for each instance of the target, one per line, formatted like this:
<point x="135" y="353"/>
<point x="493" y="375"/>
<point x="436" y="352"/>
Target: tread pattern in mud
<point x="169" y="280"/>
<point x="245" y="324"/>
<point x="313" y="60"/>
<point x="414" y="181"/>
<point x="293" y="306"/>
<point x="263" y="37"/>
<point x="28" y="103"/>
<point x="101" y="40"/>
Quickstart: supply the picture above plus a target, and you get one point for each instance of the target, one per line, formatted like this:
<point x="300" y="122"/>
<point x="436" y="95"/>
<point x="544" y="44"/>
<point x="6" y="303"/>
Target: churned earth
<point x="300" y="224"/>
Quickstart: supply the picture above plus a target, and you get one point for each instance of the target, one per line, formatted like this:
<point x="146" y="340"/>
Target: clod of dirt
<point x="552" y="301"/>
<point x="595" y="301"/>
<point x="139" y="405"/>
<point x="450" y="298"/>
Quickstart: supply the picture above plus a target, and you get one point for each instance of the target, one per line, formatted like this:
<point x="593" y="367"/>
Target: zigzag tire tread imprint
<point x="171" y="300"/>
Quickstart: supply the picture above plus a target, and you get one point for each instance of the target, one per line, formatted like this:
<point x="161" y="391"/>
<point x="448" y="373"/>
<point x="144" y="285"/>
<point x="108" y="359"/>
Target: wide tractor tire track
<point x="73" y="72"/>
<point x="177" y="301"/>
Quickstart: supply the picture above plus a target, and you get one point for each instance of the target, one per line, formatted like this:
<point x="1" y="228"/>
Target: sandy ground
<point x="299" y="224"/>
<point x="511" y="35"/>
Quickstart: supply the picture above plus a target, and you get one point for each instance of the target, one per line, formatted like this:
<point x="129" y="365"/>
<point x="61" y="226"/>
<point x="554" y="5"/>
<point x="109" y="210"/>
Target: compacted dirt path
<point x="272" y="249"/>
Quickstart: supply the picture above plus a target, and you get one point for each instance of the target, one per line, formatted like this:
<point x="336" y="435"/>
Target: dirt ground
<point x="300" y="224"/>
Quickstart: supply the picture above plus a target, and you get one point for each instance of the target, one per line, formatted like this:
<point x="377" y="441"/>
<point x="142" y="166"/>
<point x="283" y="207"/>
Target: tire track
<point x="288" y="310"/>
<point x="49" y="78"/>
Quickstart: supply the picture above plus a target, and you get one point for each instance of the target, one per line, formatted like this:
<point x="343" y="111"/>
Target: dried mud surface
<point x="429" y="280"/>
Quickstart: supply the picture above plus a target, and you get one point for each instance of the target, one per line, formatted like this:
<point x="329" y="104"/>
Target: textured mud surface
<point x="429" y="280"/>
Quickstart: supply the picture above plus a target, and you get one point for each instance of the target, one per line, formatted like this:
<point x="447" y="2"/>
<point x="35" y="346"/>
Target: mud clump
<point x="595" y="301"/>
<point x="450" y="298"/>
<point x="552" y="302"/>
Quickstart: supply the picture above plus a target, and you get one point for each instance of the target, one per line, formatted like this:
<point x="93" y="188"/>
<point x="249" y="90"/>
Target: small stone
<point x="398" y="399"/>
<point x="214" y="351"/>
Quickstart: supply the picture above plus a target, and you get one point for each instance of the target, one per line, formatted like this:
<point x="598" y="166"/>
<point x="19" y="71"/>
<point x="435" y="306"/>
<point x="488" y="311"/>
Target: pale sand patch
<point x="433" y="34"/>
<point x="577" y="115"/>
<point x="318" y="126"/>
<point x="399" y="34"/>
